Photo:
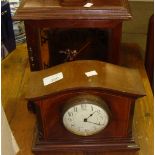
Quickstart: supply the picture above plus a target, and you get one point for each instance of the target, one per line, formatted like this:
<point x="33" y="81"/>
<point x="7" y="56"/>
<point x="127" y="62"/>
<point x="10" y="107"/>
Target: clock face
<point x="85" y="117"/>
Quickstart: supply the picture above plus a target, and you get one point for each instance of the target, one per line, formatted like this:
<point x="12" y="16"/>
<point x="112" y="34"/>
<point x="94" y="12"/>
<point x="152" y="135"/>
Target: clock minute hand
<point x="94" y="123"/>
<point x="90" y="115"/>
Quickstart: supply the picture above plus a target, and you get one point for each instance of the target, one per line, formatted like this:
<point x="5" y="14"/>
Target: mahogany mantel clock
<point x="93" y="25"/>
<point x="84" y="105"/>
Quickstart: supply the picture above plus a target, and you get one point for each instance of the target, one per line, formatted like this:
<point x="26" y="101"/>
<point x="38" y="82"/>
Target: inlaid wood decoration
<point x="84" y="105"/>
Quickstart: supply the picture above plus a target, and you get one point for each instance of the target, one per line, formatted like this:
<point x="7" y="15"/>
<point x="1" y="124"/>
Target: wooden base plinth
<point x="110" y="144"/>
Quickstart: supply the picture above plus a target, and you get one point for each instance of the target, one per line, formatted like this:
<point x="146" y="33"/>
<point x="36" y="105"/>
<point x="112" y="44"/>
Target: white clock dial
<point x="85" y="118"/>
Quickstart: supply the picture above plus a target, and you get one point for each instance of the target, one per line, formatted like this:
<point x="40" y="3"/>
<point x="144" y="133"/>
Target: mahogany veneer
<point x="119" y="87"/>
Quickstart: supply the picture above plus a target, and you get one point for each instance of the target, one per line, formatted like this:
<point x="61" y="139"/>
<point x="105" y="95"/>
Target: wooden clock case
<point x="119" y="87"/>
<point x="72" y="2"/>
<point x="51" y="15"/>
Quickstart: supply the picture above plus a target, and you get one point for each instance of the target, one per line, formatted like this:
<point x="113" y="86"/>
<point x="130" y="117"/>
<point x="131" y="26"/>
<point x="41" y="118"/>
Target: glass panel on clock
<point x="63" y="45"/>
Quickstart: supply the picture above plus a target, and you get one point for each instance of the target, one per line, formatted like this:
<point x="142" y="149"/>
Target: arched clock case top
<point x="114" y="90"/>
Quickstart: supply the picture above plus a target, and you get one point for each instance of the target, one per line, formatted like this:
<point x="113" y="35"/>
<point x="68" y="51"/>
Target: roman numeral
<point x="70" y="114"/>
<point x="83" y="106"/>
<point x="75" y="109"/>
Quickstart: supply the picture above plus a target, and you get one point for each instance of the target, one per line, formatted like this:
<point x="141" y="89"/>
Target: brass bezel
<point x="87" y="98"/>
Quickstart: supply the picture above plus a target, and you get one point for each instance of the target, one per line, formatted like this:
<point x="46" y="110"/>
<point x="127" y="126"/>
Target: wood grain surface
<point x="52" y="9"/>
<point x="109" y="77"/>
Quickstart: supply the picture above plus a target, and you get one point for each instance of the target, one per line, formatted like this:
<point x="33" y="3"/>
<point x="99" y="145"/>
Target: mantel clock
<point x="84" y="105"/>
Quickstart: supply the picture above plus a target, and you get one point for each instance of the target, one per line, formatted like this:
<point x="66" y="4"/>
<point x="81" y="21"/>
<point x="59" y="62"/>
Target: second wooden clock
<point x="84" y="106"/>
